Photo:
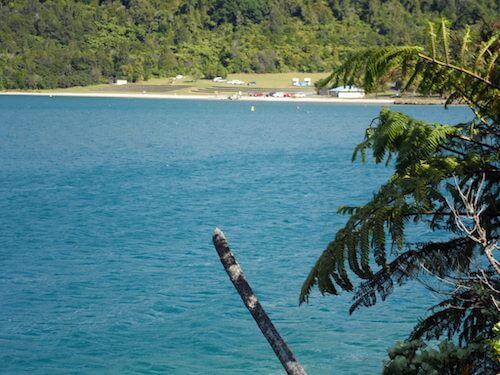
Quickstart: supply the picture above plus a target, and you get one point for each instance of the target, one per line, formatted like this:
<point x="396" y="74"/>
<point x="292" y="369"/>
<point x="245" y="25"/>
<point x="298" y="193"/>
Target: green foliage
<point x="431" y="163"/>
<point x="414" y="358"/>
<point x="494" y="343"/>
<point x="63" y="43"/>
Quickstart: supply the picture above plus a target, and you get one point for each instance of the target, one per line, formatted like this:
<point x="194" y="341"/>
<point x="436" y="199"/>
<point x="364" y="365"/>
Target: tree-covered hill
<point x="63" y="43"/>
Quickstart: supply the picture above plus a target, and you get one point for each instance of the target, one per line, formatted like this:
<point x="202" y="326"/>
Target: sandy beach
<point x="310" y="99"/>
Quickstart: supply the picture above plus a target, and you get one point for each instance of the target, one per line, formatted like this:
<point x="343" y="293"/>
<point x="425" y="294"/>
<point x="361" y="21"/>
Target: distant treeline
<point x="64" y="43"/>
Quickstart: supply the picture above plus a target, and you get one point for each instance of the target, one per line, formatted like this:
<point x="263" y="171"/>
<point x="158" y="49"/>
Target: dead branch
<point x="235" y="273"/>
<point x="471" y="201"/>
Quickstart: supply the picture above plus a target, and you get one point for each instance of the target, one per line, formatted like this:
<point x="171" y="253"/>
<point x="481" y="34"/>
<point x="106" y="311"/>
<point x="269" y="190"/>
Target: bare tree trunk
<point x="233" y="269"/>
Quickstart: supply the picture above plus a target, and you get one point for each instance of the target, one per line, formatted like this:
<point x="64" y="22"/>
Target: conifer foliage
<point x="446" y="177"/>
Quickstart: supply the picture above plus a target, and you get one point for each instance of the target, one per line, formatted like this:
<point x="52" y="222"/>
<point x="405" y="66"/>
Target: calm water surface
<point x="107" y="209"/>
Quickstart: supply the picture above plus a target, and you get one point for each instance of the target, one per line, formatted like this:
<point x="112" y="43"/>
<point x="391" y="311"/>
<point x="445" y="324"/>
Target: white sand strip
<point x="311" y="99"/>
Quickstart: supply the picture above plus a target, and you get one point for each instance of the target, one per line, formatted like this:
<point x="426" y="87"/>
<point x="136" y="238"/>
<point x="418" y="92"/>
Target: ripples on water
<point x="108" y="205"/>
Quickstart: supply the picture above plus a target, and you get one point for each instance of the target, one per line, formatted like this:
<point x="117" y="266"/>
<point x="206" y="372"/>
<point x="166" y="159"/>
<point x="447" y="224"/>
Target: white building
<point x="299" y="83"/>
<point x="347" y="92"/>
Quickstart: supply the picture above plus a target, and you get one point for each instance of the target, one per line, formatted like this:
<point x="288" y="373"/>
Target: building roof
<point x="347" y="89"/>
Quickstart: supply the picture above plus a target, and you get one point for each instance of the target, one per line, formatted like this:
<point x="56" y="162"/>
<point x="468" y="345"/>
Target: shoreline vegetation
<point x="66" y="43"/>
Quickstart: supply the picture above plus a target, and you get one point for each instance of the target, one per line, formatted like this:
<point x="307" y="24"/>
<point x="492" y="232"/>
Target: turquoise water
<point x="107" y="210"/>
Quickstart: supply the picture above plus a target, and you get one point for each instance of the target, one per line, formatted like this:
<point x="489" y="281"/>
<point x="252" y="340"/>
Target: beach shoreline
<point x="316" y="99"/>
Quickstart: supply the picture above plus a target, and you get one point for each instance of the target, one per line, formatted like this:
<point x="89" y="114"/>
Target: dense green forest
<point x="64" y="43"/>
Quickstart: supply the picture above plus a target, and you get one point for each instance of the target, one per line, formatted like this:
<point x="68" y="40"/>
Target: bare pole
<point x="235" y="273"/>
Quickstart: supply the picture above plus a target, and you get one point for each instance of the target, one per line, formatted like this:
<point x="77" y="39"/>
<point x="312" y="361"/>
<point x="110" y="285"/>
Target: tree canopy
<point x="446" y="177"/>
<point x="63" y="43"/>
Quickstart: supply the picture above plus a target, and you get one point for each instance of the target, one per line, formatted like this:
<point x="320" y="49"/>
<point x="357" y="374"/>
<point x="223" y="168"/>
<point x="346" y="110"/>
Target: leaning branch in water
<point x="235" y="273"/>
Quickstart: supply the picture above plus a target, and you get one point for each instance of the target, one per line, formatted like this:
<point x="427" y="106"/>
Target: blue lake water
<point x="107" y="208"/>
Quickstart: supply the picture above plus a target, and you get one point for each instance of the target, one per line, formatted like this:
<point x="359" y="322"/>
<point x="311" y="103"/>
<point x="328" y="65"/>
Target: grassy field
<point x="187" y="86"/>
<point x="263" y="83"/>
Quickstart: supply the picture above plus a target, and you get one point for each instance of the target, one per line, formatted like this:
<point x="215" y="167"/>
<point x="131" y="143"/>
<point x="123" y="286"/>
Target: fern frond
<point x="372" y="64"/>
<point x="398" y="225"/>
<point x="379" y="238"/>
<point x="492" y="64"/>
<point x="468" y="312"/>
<point x="417" y="71"/>
<point x="352" y="255"/>
<point x="381" y="282"/>
<point x="464" y="48"/>
<point x="325" y="81"/>
<point x="309" y="283"/>
<point x="325" y="273"/>
<point x="485" y="49"/>
<point x="426" y="158"/>
<point x="433" y="257"/>
<point x="445" y="39"/>
<point x="364" y="244"/>
<point x="432" y="39"/>
<point x="363" y="146"/>
<point x="434" y="326"/>
<point x="347" y="210"/>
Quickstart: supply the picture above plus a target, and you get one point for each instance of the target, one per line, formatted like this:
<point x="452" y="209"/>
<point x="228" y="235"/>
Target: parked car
<point x="253" y="83"/>
<point x="219" y="79"/>
<point x="235" y="82"/>
<point x="277" y="94"/>
<point x="257" y="94"/>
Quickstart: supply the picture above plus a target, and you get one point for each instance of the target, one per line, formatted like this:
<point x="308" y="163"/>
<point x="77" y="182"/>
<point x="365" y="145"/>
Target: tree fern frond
<point x="363" y="146"/>
<point x="352" y="255"/>
<point x="464" y="313"/>
<point x="432" y="39"/>
<point x="464" y="48"/>
<point x="364" y="244"/>
<point x="445" y="39"/>
<point x="309" y="283"/>
<point x="325" y="81"/>
<point x="338" y="250"/>
<point x="433" y="257"/>
<point x="452" y="98"/>
<point x="373" y="62"/>
<point x="417" y="71"/>
<point x="325" y="273"/>
<point x="492" y="64"/>
<point x="426" y="159"/>
<point x="347" y="210"/>
<point x="446" y="320"/>
<point x="382" y="281"/>
<point x="485" y="49"/>
<point x="397" y="226"/>
<point x="379" y="238"/>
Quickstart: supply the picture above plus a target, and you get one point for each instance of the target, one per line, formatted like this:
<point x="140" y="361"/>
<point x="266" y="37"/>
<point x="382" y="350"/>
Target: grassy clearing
<point x="188" y="86"/>
<point x="276" y="80"/>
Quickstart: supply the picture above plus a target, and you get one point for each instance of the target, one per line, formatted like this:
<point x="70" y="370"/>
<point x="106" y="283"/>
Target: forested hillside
<point x="63" y="43"/>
